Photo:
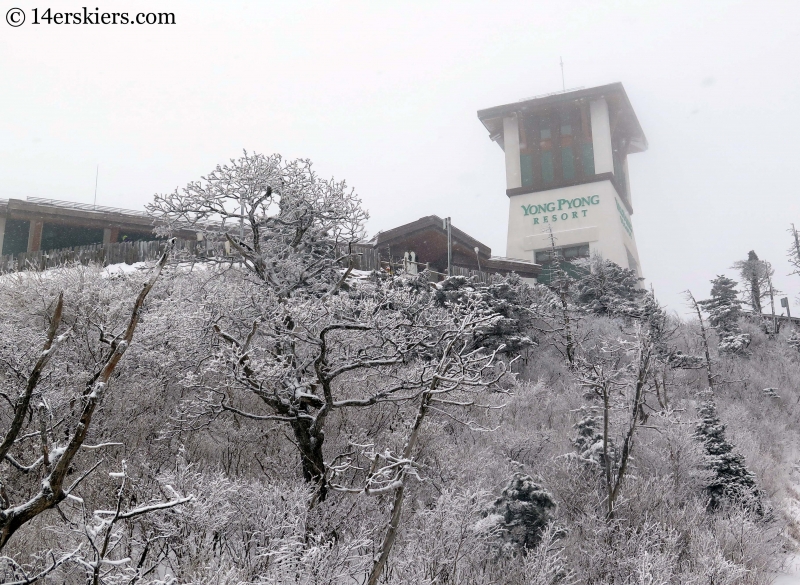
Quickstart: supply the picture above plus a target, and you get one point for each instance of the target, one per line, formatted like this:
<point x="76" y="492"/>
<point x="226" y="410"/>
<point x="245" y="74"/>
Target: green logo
<point x="565" y="207"/>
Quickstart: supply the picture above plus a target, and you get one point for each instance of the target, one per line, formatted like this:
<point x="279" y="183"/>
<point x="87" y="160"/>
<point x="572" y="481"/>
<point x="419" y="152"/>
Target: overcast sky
<point x="385" y="95"/>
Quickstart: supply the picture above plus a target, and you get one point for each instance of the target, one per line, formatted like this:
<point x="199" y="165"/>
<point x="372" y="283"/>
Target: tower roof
<point x="614" y="94"/>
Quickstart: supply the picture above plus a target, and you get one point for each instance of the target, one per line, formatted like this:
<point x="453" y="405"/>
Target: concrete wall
<point x="511" y="147"/>
<point x="602" y="223"/>
<point x="601" y="137"/>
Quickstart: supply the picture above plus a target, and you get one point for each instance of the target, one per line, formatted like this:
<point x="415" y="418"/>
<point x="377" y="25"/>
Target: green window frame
<point x="526" y="169"/>
<point x="587" y="156"/>
<point x="567" y="163"/>
<point x="548" y="174"/>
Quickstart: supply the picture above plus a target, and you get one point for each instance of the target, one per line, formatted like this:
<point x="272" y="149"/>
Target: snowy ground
<point x="791" y="575"/>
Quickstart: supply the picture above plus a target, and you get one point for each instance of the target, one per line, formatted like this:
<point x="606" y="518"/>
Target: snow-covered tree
<point x="616" y="372"/>
<point x="284" y="223"/>
<point x="79" y="337"/>
<point x="794" y="250"/>
<point x="794" y="340"/>
<point x="724" y="311"/>
<point x="731" y="480"/>
<point x="753" y="272"/>
<point x="608" y="289"/>
<point x="522" y="512"/>
<point x="588" y="439"/>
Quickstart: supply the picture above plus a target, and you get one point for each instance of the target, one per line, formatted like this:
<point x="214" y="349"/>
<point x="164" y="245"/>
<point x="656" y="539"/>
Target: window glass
<point x="587" y="156"/>
<point x="56" y="237"/>
<point x="558" y="148"/>
<point x="547" y="167"/>
<point x="15" y="240"/>
<point x="567" y="163"/>
<point x="569" y="255"/>
<point x="132" y="236"/>
<point x="526" y="168"/>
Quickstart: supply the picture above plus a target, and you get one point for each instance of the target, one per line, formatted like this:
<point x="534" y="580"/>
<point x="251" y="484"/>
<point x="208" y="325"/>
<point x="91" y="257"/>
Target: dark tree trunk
<point x="309" y="443"/>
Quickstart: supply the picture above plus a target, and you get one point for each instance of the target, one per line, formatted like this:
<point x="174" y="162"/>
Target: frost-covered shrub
<point x="794" y="340"/>
<point x="771" y="392"/>
<point x="589" y="438"/>
<point x="734" y="343"/>
<point x="682" y="361"/>
<point x="521" y="512"/>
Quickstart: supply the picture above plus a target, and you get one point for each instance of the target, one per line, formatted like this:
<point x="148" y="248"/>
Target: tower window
<point x="587" y="156"/>
<point x="548" y="174"/>
<point x="556" y="146"/>
<point x="567" y="163"/>
<point x="568" y="255"/>
<point x="526" y="167"/>
<point x="545" y="257"/>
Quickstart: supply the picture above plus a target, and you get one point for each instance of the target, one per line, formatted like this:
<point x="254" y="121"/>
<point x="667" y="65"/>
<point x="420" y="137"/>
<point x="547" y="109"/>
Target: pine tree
<point x="724" y="310"/>
<point x="794" y="251"/>
<point x="753" y="273"/>
<point x="609" y="289"/>
<point x="522" y="511"/>
<point x="589" y="438"/>
<point x="731" y="480"/>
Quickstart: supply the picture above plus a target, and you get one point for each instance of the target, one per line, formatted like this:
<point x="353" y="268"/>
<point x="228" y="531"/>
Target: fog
<point x="386" y="95"/>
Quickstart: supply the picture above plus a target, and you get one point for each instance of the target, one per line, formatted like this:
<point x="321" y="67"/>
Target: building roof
<point x="82" y="214"/>
<point x="614" y="93"/>
<point x="435" y="223"/>
<point x="427" y="237"/>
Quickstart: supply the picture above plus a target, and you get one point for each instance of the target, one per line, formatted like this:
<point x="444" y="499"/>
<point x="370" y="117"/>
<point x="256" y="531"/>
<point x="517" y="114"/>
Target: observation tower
<point x="566" y="158"/>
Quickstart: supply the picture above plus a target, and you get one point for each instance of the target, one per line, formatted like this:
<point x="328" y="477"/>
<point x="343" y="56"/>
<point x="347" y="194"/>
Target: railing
<point x="415" y="267"/>
<point x="544" y="95"/>
<point x="366" y="258"/>
<point x="84" y="206"/>
<point x="104" y="254"/>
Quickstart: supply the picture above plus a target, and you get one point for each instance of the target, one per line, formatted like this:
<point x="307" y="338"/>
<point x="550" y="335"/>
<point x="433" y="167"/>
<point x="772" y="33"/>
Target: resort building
<point x="41" y="233"/>
<point x="38" y="224"/>
<point x="566" y="158"/>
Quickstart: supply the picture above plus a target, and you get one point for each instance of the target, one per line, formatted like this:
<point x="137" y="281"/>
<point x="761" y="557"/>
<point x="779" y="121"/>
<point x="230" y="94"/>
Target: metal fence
<point x="103" y="254"/>
<point x="84" y="206"/>
<point x="366" y="258"/>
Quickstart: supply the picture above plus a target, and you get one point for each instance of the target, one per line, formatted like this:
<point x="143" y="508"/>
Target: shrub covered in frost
<point x="522" y="512"/>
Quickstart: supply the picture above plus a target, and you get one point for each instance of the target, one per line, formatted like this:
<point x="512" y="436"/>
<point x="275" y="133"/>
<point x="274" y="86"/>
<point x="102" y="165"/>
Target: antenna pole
<point x="563" y="84"/>
<point x="446" y="226"/>
<point x="96" y="176"/>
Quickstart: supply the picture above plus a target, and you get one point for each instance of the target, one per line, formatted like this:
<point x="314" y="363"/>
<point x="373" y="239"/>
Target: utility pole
<point x="449" y="246"/>
<point x="96" y="176"/>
